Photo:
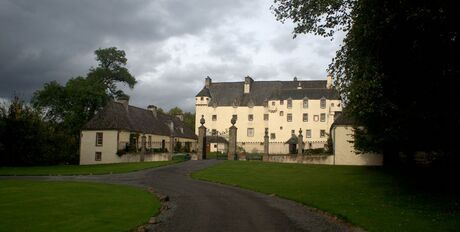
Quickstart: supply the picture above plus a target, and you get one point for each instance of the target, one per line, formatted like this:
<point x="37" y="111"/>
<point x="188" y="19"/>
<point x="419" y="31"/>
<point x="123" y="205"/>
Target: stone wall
<point x="127" y="158"/>
<point x="305" y="159"/>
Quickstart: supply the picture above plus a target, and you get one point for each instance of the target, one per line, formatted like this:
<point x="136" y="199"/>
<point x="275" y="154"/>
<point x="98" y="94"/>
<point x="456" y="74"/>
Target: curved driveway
<point x="202" y="206"/>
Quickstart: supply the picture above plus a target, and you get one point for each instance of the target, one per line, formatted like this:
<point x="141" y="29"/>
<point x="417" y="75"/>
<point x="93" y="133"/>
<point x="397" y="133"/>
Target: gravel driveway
<point x="201" y="206"/>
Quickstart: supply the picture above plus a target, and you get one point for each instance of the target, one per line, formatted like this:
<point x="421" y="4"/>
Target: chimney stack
<point x="329" y="81"/>
<point x="180" y="117"/>
<point x="124" y="100"/>
<point x="207" y="82"/>
<point x="153" y="109"/>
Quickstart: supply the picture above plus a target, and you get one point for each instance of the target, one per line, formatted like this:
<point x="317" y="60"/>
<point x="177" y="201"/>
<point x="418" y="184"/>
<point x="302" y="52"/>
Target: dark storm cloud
<point x="54" y="39"/>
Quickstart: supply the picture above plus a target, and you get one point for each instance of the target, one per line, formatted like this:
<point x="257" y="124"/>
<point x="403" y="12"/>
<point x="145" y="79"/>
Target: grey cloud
<point x="45" y="40"/>
<point x="284" y="43"/>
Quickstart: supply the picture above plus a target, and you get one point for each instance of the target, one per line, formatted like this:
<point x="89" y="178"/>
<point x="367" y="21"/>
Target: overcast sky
<point x="171" y="45"/>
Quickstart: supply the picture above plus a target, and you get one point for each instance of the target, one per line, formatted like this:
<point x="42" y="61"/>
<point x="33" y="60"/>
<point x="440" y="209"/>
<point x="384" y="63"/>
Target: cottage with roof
<point x="281" y="106"/>
<point x="342" y="134"/>
<point x="124" y="133"/>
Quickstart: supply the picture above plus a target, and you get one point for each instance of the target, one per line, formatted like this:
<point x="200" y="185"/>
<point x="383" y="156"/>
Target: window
<point x="281" y="113"/>
<point x="281" y="102"/>
<point x="265" y="103"/>
<point x="98" y="156"/>
<point x="289" y="103"/>
<point x="250" y="132"/>
<point x="272" y="136"/>
<point x="305" y="117"/>
<point x="305" y="103"/>
<point x="214" y="117"/>
<point x="281" y="128"/>
<point x="315" y="118"/>
<point x="214" y="132"/>
<point x="332" y="104"/>
<point x="322" y="133"/>
<point x="215" y="145"/>
<point x="289" y="117"/>
<point x="150" y="141"/>
<point x="250" y="117"/>
<point x="273" y="103"/>
<point x="323" y="103"/>
<point x="99" y="139"/>
<point x="323" y="117"/>
<point x="235" y="116"/>
<point x="265" y="117"/>
<point x="308" y="133"/>
<point x="201" y="98"/>
<point x="292" y="131"/>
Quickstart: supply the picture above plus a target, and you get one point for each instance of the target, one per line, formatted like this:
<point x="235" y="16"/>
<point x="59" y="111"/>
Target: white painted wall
<point x="277" y="124"/>
<point x="108" y="149"/>
<point x="344" y="151"/>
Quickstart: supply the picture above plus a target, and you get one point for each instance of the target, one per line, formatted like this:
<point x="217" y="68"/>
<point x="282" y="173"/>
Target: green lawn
<point x="373" y="198"/>
<point x="81" y="169"/>
<point x="73" y="206"/>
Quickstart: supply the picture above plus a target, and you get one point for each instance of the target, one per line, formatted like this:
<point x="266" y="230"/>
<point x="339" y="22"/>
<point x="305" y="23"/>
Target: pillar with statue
<point x="201" y="148"/>
<point x="232" y="140"/>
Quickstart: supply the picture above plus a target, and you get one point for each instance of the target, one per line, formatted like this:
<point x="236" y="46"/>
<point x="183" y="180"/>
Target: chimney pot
<point x="153" y="109"/>
<point x="123" y="100"/>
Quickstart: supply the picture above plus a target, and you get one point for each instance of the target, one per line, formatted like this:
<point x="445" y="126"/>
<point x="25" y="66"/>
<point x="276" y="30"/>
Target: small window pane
<point x="323" y="103"/>
<point x="305" y="103"/>
<point x="250" y="132"/>
<point x="98" y="156"/>
<point x="308" y="133"/>
<point x="289" y="117"/>
<point x="305" y="117"/>
<point x="99" y="139"/>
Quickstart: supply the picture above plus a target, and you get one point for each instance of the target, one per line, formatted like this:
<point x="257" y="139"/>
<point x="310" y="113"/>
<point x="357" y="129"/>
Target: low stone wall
<point x="304" y="159"/>
<point x="147" y="157"/>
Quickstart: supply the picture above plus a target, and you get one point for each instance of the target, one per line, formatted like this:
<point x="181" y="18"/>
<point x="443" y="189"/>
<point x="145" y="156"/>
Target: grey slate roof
<point x="215" y="139"/>
<point x="114" y="116"/>
<point x="230" y="93"/>
<point x="342" y="120"/>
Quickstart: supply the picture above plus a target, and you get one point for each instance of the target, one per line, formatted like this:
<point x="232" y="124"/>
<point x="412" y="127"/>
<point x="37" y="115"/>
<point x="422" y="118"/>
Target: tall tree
<point x="72" y="105"/>
<point x="112" y="70"/>
<point x="397" y="68"/>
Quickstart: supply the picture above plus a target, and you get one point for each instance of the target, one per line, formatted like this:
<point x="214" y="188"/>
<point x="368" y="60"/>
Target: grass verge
<point x="96" y="169"/>
<point x="73" y="206"/>
<point x="373" y="198"/>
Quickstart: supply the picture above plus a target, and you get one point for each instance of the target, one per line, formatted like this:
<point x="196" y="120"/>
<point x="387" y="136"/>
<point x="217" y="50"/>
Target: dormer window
<point x="281" y="102"/>
<point x="323" y="103"/>
<point x="305" y="103"/>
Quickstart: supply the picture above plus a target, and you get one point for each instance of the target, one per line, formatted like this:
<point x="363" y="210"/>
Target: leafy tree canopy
<point x="397" y="69"/>
<point x="111" y="70"/>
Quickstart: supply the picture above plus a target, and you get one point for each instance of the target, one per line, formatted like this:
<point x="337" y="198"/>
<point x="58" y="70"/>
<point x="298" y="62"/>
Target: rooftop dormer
<point x="248" y="84"/>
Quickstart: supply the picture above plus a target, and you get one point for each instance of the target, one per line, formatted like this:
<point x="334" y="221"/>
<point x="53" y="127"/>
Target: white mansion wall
<point x="108" y="149"/>
<point x="344" y="151"/>
<point x="276" y="123"/>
